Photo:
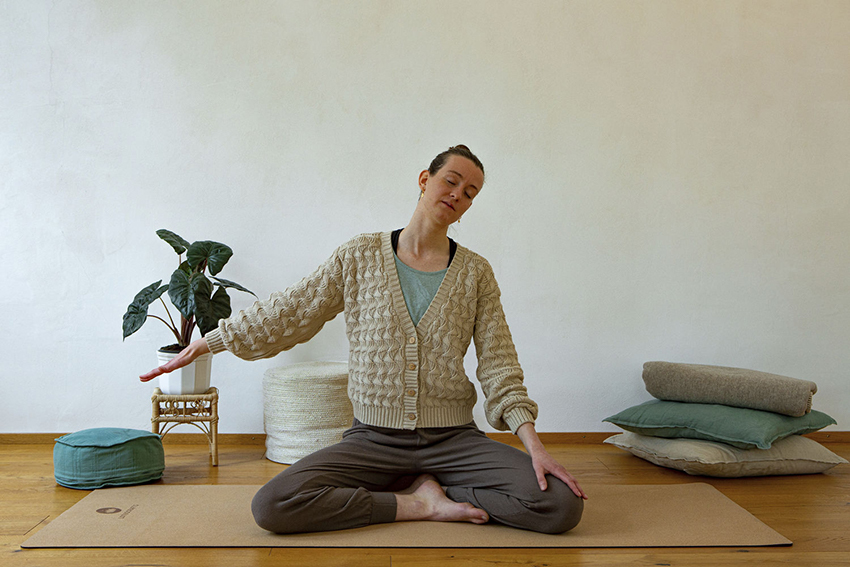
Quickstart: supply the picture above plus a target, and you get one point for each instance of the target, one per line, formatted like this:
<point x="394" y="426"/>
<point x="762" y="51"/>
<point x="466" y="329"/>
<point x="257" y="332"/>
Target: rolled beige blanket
<point x="737" y="387"/>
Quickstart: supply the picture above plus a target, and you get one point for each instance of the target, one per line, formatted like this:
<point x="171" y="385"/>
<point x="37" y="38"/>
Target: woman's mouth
<point x="448" y="205"/>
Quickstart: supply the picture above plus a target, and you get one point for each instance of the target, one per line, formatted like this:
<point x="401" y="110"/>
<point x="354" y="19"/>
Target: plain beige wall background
<point x="666" y="180"/>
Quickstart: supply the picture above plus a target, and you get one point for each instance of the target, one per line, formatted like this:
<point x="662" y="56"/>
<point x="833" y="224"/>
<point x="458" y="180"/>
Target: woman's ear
<point x="423" y="178"/>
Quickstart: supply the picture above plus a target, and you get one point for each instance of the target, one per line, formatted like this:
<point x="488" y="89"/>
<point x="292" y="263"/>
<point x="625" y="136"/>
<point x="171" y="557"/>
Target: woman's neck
<point x="424" y="246"/>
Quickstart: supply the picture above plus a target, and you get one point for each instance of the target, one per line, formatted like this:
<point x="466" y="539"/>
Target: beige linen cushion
<point x="792" y="455"/>
<point x="738" y="387"/>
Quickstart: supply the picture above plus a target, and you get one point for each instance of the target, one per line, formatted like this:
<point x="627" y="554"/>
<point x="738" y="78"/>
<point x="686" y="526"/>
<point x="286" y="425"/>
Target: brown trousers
<point x="350" y="484"/>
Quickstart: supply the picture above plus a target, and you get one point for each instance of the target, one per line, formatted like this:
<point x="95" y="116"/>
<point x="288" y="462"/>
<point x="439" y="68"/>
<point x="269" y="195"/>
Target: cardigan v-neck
<point x="418" y="287"/>
<point x="398" y="295"/>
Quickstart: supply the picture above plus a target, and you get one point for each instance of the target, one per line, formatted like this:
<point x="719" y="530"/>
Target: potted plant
<point x="200" y="302"/>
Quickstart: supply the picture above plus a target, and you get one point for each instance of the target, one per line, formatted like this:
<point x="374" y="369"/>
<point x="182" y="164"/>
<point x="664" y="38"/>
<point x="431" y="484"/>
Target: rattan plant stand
<point x="200" y="410"/>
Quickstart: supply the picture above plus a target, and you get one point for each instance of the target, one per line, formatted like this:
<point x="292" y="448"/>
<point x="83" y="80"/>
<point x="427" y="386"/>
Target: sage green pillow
<point x="740" y="427"/>
<point x="107" y="456"/>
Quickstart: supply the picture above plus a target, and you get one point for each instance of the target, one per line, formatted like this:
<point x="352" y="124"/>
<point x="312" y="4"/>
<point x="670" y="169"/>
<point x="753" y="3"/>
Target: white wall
<point x="666" y="180"/>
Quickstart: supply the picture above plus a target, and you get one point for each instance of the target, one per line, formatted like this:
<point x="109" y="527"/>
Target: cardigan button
<point x="411" y="392"/>
<point x="411" y="340"/>
<point x="412" y="366"/>
<point x="411" y="416"/>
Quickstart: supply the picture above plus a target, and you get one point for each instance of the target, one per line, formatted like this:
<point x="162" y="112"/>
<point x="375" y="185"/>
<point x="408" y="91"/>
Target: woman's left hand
<point x="544" y="463"/>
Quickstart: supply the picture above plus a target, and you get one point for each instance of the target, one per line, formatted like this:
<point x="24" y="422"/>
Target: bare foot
<point x="417" y="482"/>
<point x="425" y="499"/>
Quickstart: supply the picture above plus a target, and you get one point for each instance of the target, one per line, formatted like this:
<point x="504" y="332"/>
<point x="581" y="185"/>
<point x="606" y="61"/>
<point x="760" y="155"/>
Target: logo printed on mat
<point x="108" y="510"/>
<point x="130" y="509"/>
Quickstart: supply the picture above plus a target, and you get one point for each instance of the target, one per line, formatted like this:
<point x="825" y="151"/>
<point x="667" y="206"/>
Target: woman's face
<point x="448" y="194"/>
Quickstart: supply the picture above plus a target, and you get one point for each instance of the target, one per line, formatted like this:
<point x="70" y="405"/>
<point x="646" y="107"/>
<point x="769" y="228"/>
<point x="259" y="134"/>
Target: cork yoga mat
<point x="680" y="515"/>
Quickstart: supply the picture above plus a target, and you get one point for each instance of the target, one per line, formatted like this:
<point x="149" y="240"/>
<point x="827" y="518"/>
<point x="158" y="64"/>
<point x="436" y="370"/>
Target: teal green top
<point x="418" y="288"/>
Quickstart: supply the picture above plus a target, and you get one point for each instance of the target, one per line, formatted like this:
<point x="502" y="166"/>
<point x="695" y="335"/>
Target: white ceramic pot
<point x="191" y="379"/>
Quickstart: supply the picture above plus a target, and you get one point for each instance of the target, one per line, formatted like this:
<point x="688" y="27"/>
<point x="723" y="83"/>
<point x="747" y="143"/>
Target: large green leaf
<point x="179" y="244"/>
<point x="180" y="292"/>
<point x="137" y="312"/>
<point x="190" y="293"/>
<point x="215" y="254"/>
<point x="218" y="307"/>
<point x="227" y="283"/>
<point x="221" y="304"/>
<point x="202" y="289"/>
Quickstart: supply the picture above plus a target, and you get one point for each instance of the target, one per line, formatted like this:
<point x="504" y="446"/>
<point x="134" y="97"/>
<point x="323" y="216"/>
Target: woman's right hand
<point x="186" y="357"/>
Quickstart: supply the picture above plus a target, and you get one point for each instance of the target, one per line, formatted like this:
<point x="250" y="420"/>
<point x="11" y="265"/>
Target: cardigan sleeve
<point x="506" y="404"/>
<point x="286" y="319"/>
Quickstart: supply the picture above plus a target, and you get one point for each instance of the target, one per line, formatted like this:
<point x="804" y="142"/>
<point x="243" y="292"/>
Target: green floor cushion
<point x="107" y="456"/>
<point x="740" y="427"/>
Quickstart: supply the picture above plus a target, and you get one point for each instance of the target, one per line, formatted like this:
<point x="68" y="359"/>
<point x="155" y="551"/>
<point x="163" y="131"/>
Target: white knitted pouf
<point x="305" y="408"/>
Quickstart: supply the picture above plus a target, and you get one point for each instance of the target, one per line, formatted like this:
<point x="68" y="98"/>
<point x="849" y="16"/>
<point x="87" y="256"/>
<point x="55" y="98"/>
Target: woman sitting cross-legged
<point x="413" y="301"/>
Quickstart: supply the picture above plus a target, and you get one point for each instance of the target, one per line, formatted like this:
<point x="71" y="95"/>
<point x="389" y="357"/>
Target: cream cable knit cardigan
<point x="400" y="375"/>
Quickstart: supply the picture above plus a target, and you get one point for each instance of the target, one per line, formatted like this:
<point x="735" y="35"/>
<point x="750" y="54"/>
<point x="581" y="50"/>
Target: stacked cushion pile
<point x="725" y="422"/>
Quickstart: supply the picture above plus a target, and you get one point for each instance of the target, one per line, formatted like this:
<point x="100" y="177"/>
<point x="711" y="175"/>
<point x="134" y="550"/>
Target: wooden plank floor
<point x="813" y="511"/>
